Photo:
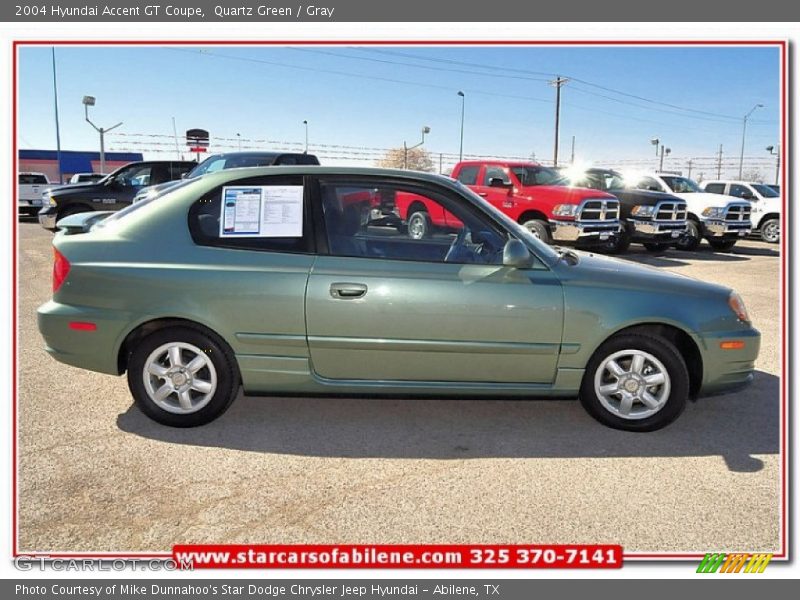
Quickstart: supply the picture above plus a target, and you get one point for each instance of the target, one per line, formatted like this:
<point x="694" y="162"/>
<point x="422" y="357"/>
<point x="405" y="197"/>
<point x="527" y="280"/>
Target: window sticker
<point x="262" y="211"/>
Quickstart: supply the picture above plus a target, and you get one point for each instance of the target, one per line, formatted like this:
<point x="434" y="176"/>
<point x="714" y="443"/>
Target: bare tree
<point x="416" y="159"/>
<point x="754" y="175"/>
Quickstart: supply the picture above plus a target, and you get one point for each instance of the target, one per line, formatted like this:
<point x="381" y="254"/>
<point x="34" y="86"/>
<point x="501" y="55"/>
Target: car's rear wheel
<point x="771" y="231"/>
<point x="538" y="228"/>
<point x="635" y="382"/>
<point x="420" y="225"/>
<point x="722" y="245"/>
<point x="691" y="239"/>
<point x="182" y="377"/>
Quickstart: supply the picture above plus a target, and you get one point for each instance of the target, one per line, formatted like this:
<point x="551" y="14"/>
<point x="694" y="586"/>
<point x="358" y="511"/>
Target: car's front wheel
<point x="771" y="231"/>
<point x="182" y="377"/>
<point x="690" y="240"/>
<point x="539" y="229"/>
<point x="635" y="382"/>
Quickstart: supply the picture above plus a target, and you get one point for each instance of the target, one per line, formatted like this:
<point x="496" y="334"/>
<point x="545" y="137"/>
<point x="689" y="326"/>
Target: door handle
<point x="484" y="194"/>
<point x="348" y="291"/>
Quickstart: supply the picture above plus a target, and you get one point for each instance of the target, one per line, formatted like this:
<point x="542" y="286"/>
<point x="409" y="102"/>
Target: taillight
<point x="60" y="269"/>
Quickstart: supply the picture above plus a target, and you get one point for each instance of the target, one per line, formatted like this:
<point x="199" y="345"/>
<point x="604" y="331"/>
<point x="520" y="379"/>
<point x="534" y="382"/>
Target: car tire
<point x="419" y="225"/>
<point x="658" y="357"/>
<point x="616" y="245"/>
<point x="691" y="240"/>
<point x="539" y="229"/>
<point x="655" y="247"/>
<point x="722" y="245"/>
<point x="182" y="377"/>
<point x="771" y="231"/>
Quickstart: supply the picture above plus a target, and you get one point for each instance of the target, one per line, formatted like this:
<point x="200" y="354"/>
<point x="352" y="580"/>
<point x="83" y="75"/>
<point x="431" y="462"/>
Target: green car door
<point x="383" y="304"/>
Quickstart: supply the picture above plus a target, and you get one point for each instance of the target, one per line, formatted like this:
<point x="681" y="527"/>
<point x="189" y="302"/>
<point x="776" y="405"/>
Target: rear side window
<point x="468" y="175"/>
<point x="206" y="214"/>
<point x="32" y="179"/>
<point x="715" y="188"/>
<point x="297" y="159"/>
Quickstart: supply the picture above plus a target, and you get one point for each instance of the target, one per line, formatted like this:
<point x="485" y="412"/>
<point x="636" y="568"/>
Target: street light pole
<point x="406" y="148"/>
<point x="305" y="122"/>
<point x="744" y="133"/>
<point x="87" y="102"/>
<point x="776" y="152"/>
<point x="461" y="145"/>
<point x="58" y="128"/>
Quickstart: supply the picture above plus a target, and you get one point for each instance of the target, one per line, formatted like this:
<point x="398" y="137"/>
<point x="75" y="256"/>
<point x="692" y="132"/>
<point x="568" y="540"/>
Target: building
<point x="46" y="161"/>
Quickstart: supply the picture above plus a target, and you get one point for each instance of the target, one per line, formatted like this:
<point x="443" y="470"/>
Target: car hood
<point x="602" y="271"/>
<point x="642" y="197"/>
<point x="561" y="193"/>
<point x="78" y="188"/>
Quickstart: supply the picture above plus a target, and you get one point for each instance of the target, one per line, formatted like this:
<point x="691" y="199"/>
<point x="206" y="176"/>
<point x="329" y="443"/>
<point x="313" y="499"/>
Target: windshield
<point x="598" y="180"/>
<point x="542" y="249"/>
<point x="530" y="175"/>
<point x="765" y="191"/>
<point x="681" y="185"/>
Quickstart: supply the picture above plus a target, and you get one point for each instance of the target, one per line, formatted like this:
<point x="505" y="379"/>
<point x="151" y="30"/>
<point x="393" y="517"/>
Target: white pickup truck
<point x="29" y="193"/>
<point x="721" y="220"/>
<point x="766" y="203"/>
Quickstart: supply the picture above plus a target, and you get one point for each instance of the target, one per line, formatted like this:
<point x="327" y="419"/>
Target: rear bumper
<point x="719" y="228"/>
<point x="93" y="350"/>
<point x="729" y="370"/>
<point x="572" y="231"/>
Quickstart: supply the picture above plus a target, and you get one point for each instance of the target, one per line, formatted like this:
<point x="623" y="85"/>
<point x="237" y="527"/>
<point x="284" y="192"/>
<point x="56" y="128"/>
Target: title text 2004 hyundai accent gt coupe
<point x="305" y="280"/>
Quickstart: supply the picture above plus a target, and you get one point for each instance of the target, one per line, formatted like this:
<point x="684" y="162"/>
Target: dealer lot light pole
<point x="406" y="147"/>
<point x="90" y="101"/>
<point x="461" y="145"/>
<point x="744" y="134"/>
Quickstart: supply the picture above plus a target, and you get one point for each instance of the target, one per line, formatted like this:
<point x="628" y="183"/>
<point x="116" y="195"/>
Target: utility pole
<point x="776" y="152"/>
<point x="572" y="155"/>
<point x="744" y="133"/>
<point x="175" y="135"/>
<point x="440" y="163"/>
<point x="719" y="163"/>
<point x="557" y="83"/>
<point x="689" y="175"/>
<point x="461" y="144"/>
<point x="58" y="128"/>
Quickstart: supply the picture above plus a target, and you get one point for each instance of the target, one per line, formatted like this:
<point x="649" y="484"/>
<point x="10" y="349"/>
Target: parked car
<point x="86" y="178"/>
<point x="721" y="220"/>
<point x="765" y="202"/>
<point x="232" y="160"/>
<point x="114" y="192"/>
<point x="205" y="293"/>
<point x="535" y="197"/>
<point x="29" y="192"/>
<point x="654" y="219"/>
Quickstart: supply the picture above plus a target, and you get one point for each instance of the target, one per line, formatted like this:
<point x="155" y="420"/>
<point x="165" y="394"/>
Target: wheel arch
<point x="145" y="328"/>
<point x="767" y="217"/>
<point x="532" y="213"/>
<point x="680" y="338"/>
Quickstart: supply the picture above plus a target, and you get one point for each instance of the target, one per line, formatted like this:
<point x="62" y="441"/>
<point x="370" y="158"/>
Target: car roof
<point x="226" y="175"/>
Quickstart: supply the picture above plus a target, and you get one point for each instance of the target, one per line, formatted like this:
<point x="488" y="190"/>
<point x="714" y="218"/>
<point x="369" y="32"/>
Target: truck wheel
<point x="617" y="244"/>
<point x="691" y="239"/>
<point x="722" y="245"/>
<point x="538" y="229"/>
<point x="771" y="231"/>
<point x="182" y="377"/>
<point x="655" y="247"/>
<point x="420" y="225"/>
<point x="635" y="382"/>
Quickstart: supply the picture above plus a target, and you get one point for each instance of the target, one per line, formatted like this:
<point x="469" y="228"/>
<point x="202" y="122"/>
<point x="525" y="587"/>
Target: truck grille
<point x="738" y="212"/>
<point x="599" y="210"/>
<point x="671" y="211"/>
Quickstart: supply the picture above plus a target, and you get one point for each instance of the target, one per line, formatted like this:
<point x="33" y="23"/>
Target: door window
<point x="468" y="175"/>
<point x="135" y="176"/>
<point x="715" y="188"/>
<point x="741" y="191"/>
<point x="407" y="223"/>
<point x="648" y="183"/>
<point x="495" y="173"/>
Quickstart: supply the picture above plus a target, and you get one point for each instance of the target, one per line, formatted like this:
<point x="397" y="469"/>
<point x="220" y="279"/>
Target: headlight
<point x="737" y="306"/>
<point x="566" y="210"/>
<point x="643" y="211"/>
<point x="714" y="212"/>
<point x="51" y="200"/>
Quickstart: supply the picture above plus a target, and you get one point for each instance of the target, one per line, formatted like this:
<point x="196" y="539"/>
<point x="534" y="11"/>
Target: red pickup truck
<point x="533" y="195"/>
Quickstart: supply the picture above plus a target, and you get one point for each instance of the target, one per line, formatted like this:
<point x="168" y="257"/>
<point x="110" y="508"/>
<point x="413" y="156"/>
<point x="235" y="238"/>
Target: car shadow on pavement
<point x="737" y="427"/>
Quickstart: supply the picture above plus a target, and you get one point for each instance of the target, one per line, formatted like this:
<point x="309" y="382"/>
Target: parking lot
<point x="97" y="475"/>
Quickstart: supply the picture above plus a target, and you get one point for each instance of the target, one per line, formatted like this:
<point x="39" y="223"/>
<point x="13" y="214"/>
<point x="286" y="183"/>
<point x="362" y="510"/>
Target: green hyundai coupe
<point x="306" y="280"/>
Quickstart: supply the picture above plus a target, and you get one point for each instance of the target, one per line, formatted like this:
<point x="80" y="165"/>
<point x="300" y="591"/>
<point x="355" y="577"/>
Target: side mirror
<point x="516" y="255"/>
<point x="748" y="196"/>
<point x="499" y="183"/>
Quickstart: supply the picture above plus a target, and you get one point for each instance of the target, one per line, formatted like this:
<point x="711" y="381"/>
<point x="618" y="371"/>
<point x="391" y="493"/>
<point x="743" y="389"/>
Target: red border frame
<point x="784" y="97"/>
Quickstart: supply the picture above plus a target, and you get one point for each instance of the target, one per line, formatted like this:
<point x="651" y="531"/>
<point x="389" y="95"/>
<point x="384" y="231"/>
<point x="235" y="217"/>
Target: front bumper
<point x="27" y="207"/>
<point x="572" y="231"/>
<point x="47" y="217"/>
<point x="666" y="229"/>
<point x="729" y="370"/>
<point x="720" y="228"/>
